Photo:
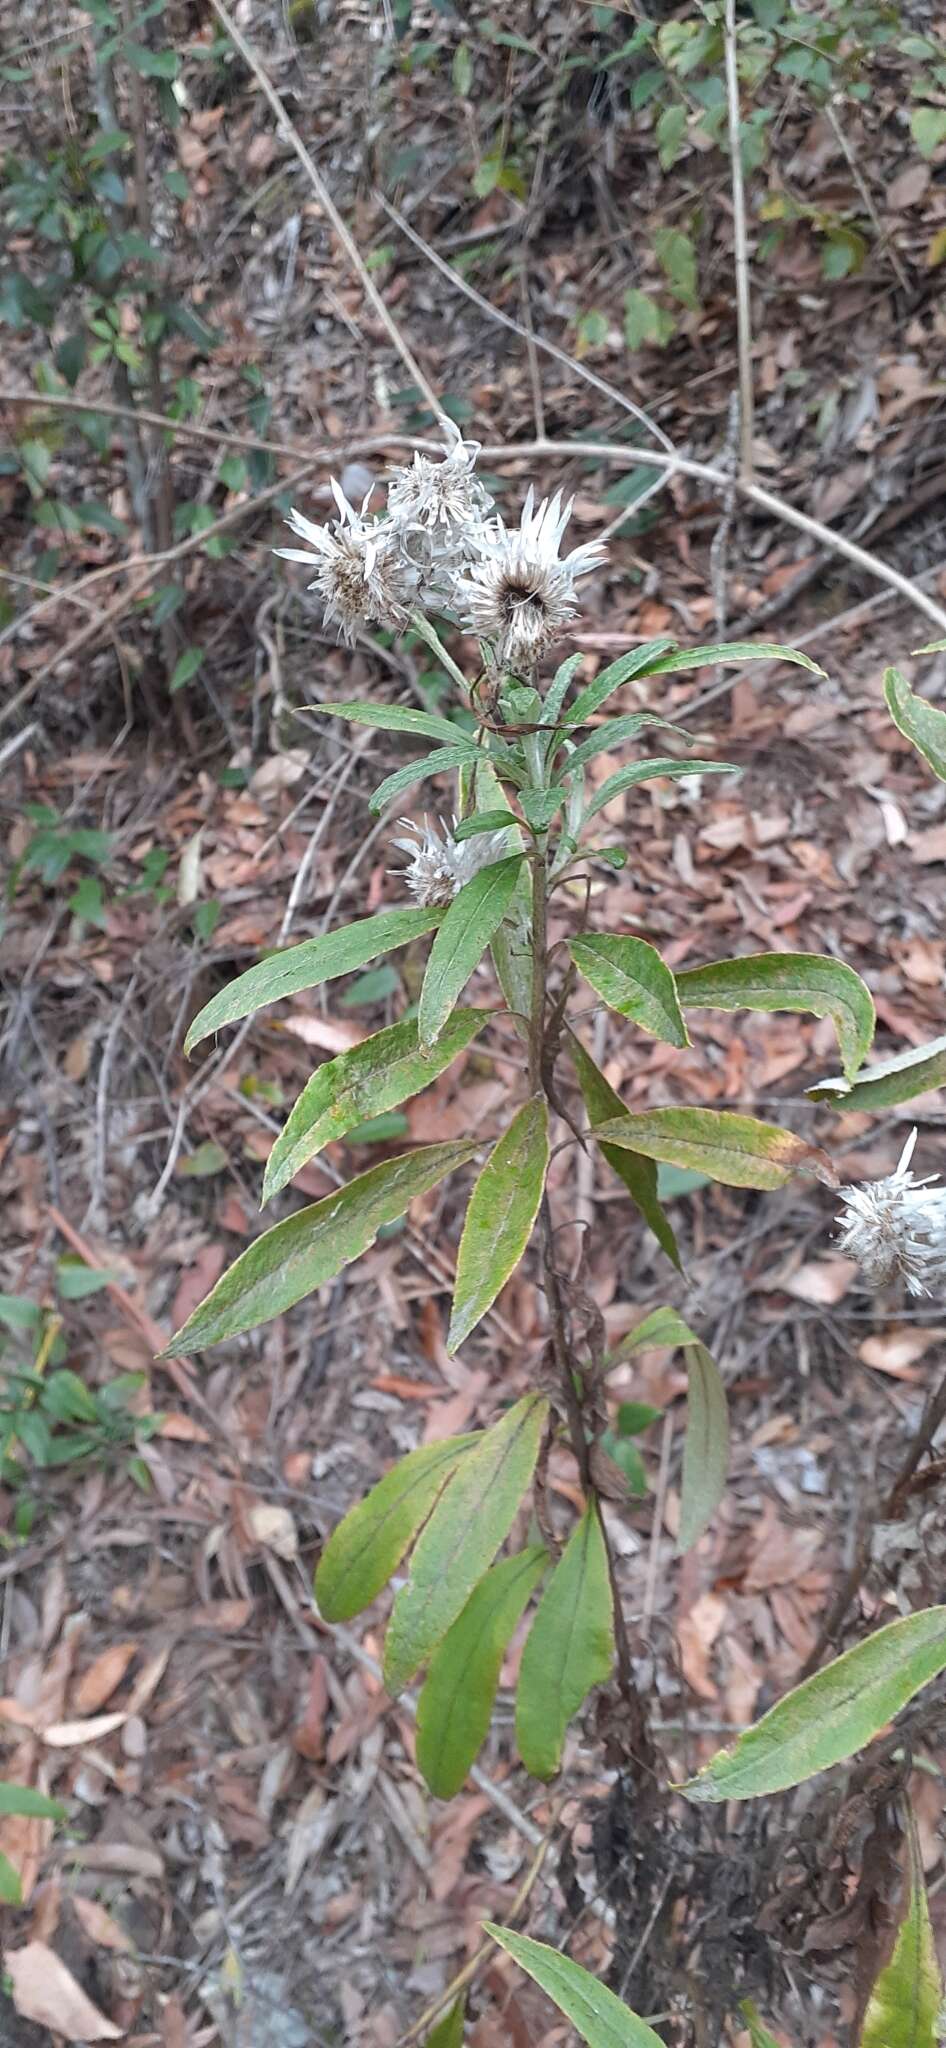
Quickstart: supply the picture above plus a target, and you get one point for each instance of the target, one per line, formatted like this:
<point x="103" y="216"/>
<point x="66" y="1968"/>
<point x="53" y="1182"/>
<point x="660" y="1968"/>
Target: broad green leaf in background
<point x="454" y="1708"/>
<point x="470" y="921"/>
<point x="307" y="1249"/>
<point x="739" y="651"/>
<point x="569" y="1648"/>
<point x="648" y="771"/>
<point x="436" y="763"/>
<point x="448" y="2033"/>
<point x="639" y="660"/>
<point x="788" y="981"/>
<point x="308" y="965"/>
<point x="904" y="2005"/>
<point x="706" y="1445"/>
<point x="639" y="1175"/>
<point x="471" y="1519"/>
<point x="920" y="722"/>
<point x="632" y="979"/>
<point x="368" y="1545"/>
<point x="10" y="1889"/>
<point x="499" y="1220"/>
<point x="22" y="1799"/>
<point x="394" y="718"/>
<point x="600" y="2018"/>
<point x="888" y="1081"/>
<point x="832" y="1715"/>
<point x="373" y="1077"/>
<point x="737" y="1150"/>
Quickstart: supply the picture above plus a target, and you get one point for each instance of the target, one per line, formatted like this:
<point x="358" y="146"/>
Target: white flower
<point x="362" y="573"/>
<point x="520" y="596"/>
<point x="445" y="495"/>
<point x="439" y="867"/>
<point x="897" y="1226"/>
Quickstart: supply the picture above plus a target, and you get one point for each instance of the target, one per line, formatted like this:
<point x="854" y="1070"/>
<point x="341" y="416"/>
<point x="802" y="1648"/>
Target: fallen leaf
<point x="69" y="1734"/>
<point x="98" y="1683"/>
<point x="895" y="1351"/>
<point x="47" y="1993"/>
<point x="274" y="1528"/>
<point x="824" y="1282"/>
<point x="99" y="1925"/>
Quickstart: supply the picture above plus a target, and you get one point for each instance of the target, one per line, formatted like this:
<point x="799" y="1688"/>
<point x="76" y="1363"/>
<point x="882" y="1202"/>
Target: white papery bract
<point x="443" y="498"/>
<point x="520" y="595"/>
<point x="362" y="573"/>
<point x="438" y="867"/>
<point x="897" y="1226"/>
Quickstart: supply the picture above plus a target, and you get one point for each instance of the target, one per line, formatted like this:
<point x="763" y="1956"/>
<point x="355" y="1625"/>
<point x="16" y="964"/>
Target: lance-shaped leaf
<point x="738" y="651"/>
<point x="471" y="919"/>
<point x="920" y="722"/>
<point x="648" y="771"/>
<point x="308" y="965"/>
<point x="11" y="1891"/>
<point x="437" y="763"/>
<point x="888" y="1081"/>
<point x="738" y="1150"/>
<point x="22" y="1799"/>
<point x="903" y="2010"/>
<point x="599" y="2017"/>
<point x="373" y="1077"/>
<point x="310" y="1247"/>
<point x="633" y="980"/>
<point x="498" y="1223"/>
<point x="832" y="1715"/>
<point x="559" y="687"/>
<point x="614" y="732"/>
<point x="454" y="1708"/>
<point x="788" y="981"/>
<point x="639" y="1175"/>
<point x="395" y="718"/>
<point x="448" y="2033"/>
<point x="706" y="1444"/>
<point x="368" y="1545"/>
<point x="611" y="678"/>
<point x="569" y="1648"/>
<point x="758" y="2033"/>
<point x="471" y="1519"/>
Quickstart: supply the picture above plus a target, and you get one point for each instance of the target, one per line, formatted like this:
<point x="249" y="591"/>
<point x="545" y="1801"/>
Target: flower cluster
<point x="442" y="546"/>
<point x="897" y="1226"/>
<point x="438" y="867"/>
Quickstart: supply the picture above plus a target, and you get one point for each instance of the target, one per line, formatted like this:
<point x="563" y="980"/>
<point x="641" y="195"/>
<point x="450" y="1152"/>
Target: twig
<point x="304" y="869"/>
<point x="741" y="251"/>
<point x="720" y="542"/>
<point x="329" y="208"/>
<point x="176" y="1368"/>
<point x="95" y="1213"/>
<point x="883" y="238"/>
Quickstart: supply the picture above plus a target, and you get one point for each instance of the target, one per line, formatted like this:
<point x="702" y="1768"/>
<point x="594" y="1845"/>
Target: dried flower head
<point x="438" y="867"/>
<point x="441" y="497"/>
<point x="520" y="595"/>
<point x="897" y="1226"/>
<point x="362" y="573"/>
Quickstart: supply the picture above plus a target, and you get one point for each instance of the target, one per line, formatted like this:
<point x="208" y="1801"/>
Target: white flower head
<point x="442" y="496"/>
<point x="897" y="1226"/>
<point x="362" y="573"/>
<point x="520" y="595"/>
<point x="438" y="867"/>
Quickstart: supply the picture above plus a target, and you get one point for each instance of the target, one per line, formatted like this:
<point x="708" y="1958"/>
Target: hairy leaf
<point x="633" y="980"/>
<point x="739" y="651"/>
<point x="308" y="965"/>
<point x="831" y="1716"/>
<point x="470" y="1521"/>
<point x="307" y="1249"/>
<point x="788" y="981"/>
<point x="599" y="2017"/>
<point x="373" y="1077"/>
<point x="639" y="1175"/>
<point x="904" y="2005"/>
<point x="614" y="732"/>
<point x="395" y="718"/>
<point x="453" y="1712"/>
<point x="502" y="1210"/>
<point x="569" y="1648"/>
<point x="648" y="771"/>
<point x="559" y="686"/>
<point x="610" y="679"/>
<point x="436" y="763"/>
<point x="368" y="1545"/>
<point x="888" y="1081"/>
<point x="920" y="722"/>
<point x="471" y="919"/>
<point x="737" y="1150"/>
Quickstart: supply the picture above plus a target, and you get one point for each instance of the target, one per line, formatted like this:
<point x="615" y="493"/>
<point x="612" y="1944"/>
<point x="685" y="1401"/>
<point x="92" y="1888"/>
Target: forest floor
<point x="251" y="1856"/>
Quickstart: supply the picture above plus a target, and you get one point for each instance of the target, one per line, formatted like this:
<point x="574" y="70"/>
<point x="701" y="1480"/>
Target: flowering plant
<point x="510" y="879"/>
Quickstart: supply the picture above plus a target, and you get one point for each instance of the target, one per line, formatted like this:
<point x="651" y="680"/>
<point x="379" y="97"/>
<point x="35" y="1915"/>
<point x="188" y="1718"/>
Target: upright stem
<point x="743" y="312"/>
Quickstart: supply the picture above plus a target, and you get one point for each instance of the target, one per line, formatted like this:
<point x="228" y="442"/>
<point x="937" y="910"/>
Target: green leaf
<point x="499" y="1220"/>
<point x="671" y="136"/>
<point x="436" y="763"/>
<point x="928" y="128"/>
<point x="308" y="965"/>
<point x="788" y="981"/>
<point x="920" y="723"/>
<point x="483" y="821"/>
<point x="209" y="1158"/>
<point x="186" y="666"/>
<point x="614" y="732"/>
<point x="633" y="980"/>
<point x="301" y="1253"/>
<point x="569" y="1648"/>
<point x="599" y="2017"/>
<point x="645" y="322"/>
<point x="360" y="1085"/>
<point x="758" y="2034"/>
<point x="10" y="1890"/>
<point x="34" y="1805"/>
<point x="635" y="1416"/>
<point x="662" y="1330"/>
<point x="639" y="1175"/>
<point x="368" y="1545"/>
<point x="904" y="2005"/>
<point x="676" y="254"/>
<point x="468" y="925"/>
<point x="454" y="1709"/>
<point x="626" y="1456"/>
<point x="448" y="2033"/>
<point x="472" y="1517"/>
<point x="462" y="71"/>
<point x="706" y="1446"/>
<point x="738" y="651"/>
<point x="88" y="902"/>
<point x="539" y="806"/>
<point x="395" y="718"/>
<point x="888" y="1081"/>
<point x="647" y="771"/>
<point x="737" y="1150"/>
<point x="832" y="1715"/>
<point x="639" y="661"/>
<point x="74" y="1280"/>
<point x="152" y="63"/>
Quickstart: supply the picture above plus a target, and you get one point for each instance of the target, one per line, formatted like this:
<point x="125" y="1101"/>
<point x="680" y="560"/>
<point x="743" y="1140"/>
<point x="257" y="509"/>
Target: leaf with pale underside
<point x="395" y="718"/>
<point x="888" y="1082"/>
<point x="648" y="771"/>
<point x="308" y="965"/>
<point x="740" y="1151"/>
<point x="500" y="1216"/>
<point x="920" y="722"/>
<point x="788" y="981"/>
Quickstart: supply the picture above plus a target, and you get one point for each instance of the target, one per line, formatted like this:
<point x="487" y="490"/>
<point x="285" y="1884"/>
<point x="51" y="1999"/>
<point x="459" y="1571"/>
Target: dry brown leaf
<point x="274" y="1528"/>
<point x="69" y="1734"/>
<point x="47" y="1993"/>
<point x="824" y="1282"/>
<point x="98" y="1683"/>
<point x="99" y="1925"/>
<point x="895" y="1351"/>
